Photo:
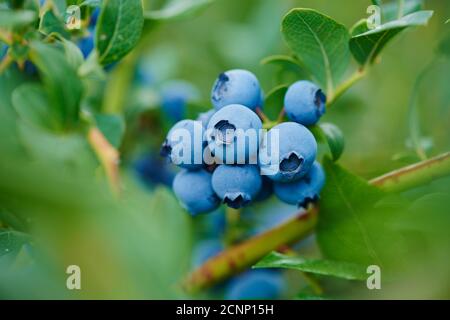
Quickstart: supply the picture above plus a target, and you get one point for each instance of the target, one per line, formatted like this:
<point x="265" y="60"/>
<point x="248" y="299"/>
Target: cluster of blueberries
<point x="238" y="172"/>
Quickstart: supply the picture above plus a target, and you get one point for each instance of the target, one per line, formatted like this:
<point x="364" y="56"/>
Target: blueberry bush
<point x="342" y="191"/>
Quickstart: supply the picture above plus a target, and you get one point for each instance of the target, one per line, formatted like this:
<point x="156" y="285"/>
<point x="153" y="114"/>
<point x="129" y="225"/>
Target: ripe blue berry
<point x="3" y="50"/>
<point x="175" y="96"/>
<point x="194" y="191"/>
<point x="261" y="99"/>
<point x="94" y="17"/>
<point x="256" y="284"/>
<point x="152" y="171"/>
<point x="303" y="191"/>
<point x="236" y="186"/>
<point x="206" y="250"/>
<point x="30" y="68"/>
<point x="86" y="44"/>
<point x="184" y="145"/>
<point x="266" y="189"/>
<point x="304" y="103"/>
<point x="296" y="148"/>
<point x="236" y="87"/>
<point x="214" y="224"/>
<point x="271" y="216"/>
<point x="233" y="135"/>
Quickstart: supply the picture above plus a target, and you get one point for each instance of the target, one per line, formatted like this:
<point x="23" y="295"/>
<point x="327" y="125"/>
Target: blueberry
<point x="184" y="145"/>
<point x="194" y="191"/>
<point x="233" y="135"/>
<point x="204" y="117"/>
<point x="236" y="87"/>
<point x="261" y="99"/>
<point x="236" y="186"/>
<point x="152" y="171"/>
<point x="215" y="223"/>
<point x="304" y="103"/>
<point x="175" y="95"/>
<point x="30" y="68"/>
<point x="148" y="71"/>
<point x="205" y="250"/>
<point x="272" y="216"/>
<point x="94" y="17"/>
<point x="86" y="44"/>
<point x="144" y="75"/>
<point x="287" y="152"/>
<point x="256" y="284"/>
<point x="303" y="191"/>
<point x="3" y="50"/>
<point x="266" y="189"/>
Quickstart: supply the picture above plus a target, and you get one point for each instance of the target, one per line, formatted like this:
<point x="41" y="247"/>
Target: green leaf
<point x="74" y="56"/>
<point x="338" y="269"/>
<point x="444" y="45"/>
<point x="112" y="126"/>
<point x="92" y="3"/>
<point x="287" y="63"/>
<point x="176" y="10"/>
<point x="390" y="10"/>
<point x="119" y="29"/>
<point x="359" y="27"/>
<point x="331" y="135"/>
<point x="18" y="51"/>
<point x="367" y="46"/>
<point x="433" y="224"/>
<point x="50" y="23"/>
<point x="414" y="125"/>
<point x="70" y="149"/>
<point x="10" y="143"/>
<point x="11" y="241"/>
<point x="13" y="19"/>
<point x="60" y="6"/>
<point x="62" y="84"/>
<point x="31" y="104"/>
<point x="274" y="101"/>
<point x="355" y="218"/>
<point x="11" y="220"/>
<point x="320" y="43"/>
<point x="334" y="138"/>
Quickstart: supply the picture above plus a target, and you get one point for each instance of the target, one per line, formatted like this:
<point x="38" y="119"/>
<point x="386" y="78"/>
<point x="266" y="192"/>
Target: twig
<point x="313" y="283"/>
<point x="414" y="175"/>
<point x="262" y="115"/>
<point x="342" y="88"/>
<point x="108" y="156"/>
<point x="401" y="4"/>
<point x="5" y="36"/>
<point x="241" y="256"/>
<point x="281" y="115"/>
<point x="246" y="254"/>
<point x="233" y="217"/>
<point x="5" y="63"/>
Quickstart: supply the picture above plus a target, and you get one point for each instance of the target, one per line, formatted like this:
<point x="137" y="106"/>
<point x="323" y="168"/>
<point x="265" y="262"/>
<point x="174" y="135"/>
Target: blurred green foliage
<point x="56" y="208"/>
